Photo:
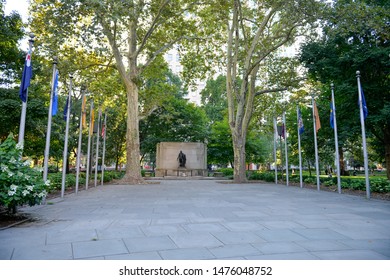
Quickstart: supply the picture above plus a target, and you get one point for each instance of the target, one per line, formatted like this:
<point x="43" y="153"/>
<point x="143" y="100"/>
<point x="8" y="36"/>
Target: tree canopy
<point x="11" y="58"/>
<point x="355" y="38"/>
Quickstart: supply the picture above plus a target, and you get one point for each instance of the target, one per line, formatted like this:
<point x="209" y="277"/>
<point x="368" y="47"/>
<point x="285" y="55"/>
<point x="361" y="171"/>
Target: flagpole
<point x="285" y="146"/>
<point x="79" y="143"/>
<point x="24" y="104"/>
<point x="363" y="136"/>
<point x="90" y="131"/>
<point x="315" y="144"/>
<point x="104" y="145"/>
<point x="97" y="147"/>
<point x="49" y="118"/>
<point x="336" y="141"/>
<point x="65" y="157"/>
<point x="299" y="150"/>
<point x="275" y="156"/>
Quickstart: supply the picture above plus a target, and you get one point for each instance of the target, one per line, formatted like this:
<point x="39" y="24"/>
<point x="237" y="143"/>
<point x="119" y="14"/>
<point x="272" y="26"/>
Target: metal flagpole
<point x="80" y="140"/>
<point x="315" y="144"/>
<point x="90" y="131"/>
<point x="64" y="161"/>
<point x="24" y="104"/>
<point x="363" y="136"/>
<point x="285" y="145"/>
<point x="97" y="147"/>
<point x="275" y="156"/>
<point x="336" y="141"/>
<point x="49" y="118"/>
<point x="104" y="145"/>
<point x="299" y="148"/>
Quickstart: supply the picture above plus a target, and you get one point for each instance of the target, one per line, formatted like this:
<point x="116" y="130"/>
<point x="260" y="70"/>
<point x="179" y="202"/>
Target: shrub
<point x="227" y="171"/>
<point x="310" y="180"/>
<point x="295" y="178"/>
<point x="357" y="184"/>
<point x="328" y="183"/>
<point x="380" y="185"/>
<point x="19" y="183"/>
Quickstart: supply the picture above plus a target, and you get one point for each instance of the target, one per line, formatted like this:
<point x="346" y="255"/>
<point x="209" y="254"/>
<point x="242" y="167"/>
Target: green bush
<point x="380" y="185"/>
<point x="295" y="179"/>
<point x="328" y="183"/>
<point x="310" y="180"/>
<point x="357" y="184"/>
<point x="264" y="176"/>
<point x="70" y="179"/>
<point x="226" y="171"/>
<point x="19" y="183"/>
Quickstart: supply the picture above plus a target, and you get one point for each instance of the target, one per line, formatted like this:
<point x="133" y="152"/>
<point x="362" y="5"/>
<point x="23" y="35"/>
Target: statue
<point x="182" y="159"/>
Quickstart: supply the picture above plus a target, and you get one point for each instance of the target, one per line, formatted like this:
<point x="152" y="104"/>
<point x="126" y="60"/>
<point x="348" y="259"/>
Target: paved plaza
<point x="202" y="220"/>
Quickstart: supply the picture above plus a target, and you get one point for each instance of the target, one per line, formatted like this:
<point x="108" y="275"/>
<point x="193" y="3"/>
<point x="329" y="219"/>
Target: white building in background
<point x="172" y="57"/>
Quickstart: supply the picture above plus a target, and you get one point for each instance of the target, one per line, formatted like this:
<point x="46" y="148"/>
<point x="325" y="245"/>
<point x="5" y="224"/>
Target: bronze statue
<point x="182" y="159"/>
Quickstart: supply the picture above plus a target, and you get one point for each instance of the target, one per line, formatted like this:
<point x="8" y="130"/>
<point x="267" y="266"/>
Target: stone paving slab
<point x="149" y="244"/>
<point x="202" y="219"/>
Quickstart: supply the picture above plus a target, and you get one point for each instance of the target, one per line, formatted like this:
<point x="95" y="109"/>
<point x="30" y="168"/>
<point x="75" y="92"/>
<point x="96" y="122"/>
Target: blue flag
<point x="364" y="105"/>
<point x="55" y="95"/>
<point x="26" y="76"/>
<point x="66" y="108"/>
<point x="300" y="122"/>
<point x="331" y="116"/>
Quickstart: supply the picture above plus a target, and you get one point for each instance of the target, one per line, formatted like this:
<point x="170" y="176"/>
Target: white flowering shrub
<point x="19" y="183"/>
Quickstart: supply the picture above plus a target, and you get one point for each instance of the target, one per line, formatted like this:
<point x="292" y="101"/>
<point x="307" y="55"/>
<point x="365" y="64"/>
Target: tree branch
<point x="114" y="47"/>
<point x="151" y="28"/>
<point x="281" y="43"/>
<point x="270" y="90"/>
<point x="160" y="51"/>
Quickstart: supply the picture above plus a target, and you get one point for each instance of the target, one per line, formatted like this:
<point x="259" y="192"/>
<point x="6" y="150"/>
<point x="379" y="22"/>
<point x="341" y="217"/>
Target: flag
<point x="300" y="122"/>
<point x="83" y="112"/>
<point x="92" y="121"/>
<point x="26" y="76"/>
<point x="317" y="117"/>
<point x="364" y="105"/>
<point x="103" y="129"/>
<point x="331" y="116"/>
<point x="54" y="106"/>
<point x="66" y="108"/>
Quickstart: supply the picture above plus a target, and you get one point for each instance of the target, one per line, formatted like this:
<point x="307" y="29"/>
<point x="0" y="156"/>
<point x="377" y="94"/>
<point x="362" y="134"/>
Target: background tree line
<point x="145" y="101"/>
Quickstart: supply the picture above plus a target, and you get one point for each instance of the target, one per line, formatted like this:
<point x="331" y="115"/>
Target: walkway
<point x="201" y="219"/>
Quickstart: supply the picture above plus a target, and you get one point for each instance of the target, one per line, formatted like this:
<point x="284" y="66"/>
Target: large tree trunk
<point x="129" y="76"/>
<point x="133" y="169"/>
<point x="239" y="157"/>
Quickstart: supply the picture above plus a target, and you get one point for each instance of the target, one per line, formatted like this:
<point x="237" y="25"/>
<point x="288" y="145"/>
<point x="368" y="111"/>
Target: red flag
<point x="103" y="129"/>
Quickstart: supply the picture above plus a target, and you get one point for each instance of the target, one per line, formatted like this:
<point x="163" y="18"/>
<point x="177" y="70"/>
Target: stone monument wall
<point x="167" y="163"/>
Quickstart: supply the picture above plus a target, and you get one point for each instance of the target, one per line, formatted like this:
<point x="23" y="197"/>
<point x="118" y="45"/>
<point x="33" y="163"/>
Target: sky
<point x="21" y="6"/>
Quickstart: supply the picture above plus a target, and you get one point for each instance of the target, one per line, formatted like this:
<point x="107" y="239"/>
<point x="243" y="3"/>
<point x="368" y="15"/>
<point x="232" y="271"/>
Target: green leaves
<point x="11" y="58"/>
<point x="355" y="38"/>
<point x="19" y="183"/>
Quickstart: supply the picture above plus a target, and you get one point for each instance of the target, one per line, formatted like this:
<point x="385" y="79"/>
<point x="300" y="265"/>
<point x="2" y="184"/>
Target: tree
<point x="10" y="112"/>
<point x="137" y="32"/>
<point x="213" y="99"/>
<point x="355" y="38"/>
<point x="220" y="146"/>
<point x="255" y="32"/>
<point x="176" y="120"/>
<point x="11" y="58"/>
